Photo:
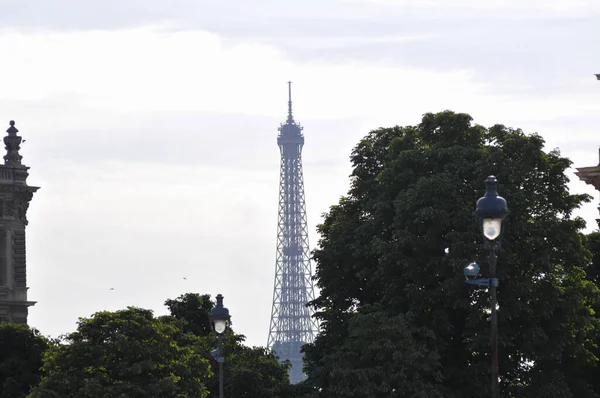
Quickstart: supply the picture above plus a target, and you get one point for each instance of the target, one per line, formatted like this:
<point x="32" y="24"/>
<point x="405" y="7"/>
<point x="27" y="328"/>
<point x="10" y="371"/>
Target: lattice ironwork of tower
<point x="292" y="324"/>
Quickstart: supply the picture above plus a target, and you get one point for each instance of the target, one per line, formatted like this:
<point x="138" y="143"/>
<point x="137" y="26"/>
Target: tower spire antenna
<point x="290" y="116"/>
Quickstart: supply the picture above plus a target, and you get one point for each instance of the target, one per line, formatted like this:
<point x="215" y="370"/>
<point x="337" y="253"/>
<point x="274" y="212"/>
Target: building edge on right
<point x="591" y="175"/>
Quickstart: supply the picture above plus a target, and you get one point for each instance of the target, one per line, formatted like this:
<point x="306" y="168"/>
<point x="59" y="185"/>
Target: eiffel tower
<point x="292" y="324"/>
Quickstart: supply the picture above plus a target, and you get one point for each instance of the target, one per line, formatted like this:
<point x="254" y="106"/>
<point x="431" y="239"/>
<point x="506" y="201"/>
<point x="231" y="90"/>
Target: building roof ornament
<point x="12" y="144"/>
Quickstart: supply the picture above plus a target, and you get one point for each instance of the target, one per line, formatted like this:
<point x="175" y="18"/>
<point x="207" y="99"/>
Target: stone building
<point x="590" y="175"/>
<point x="15" y="196"/>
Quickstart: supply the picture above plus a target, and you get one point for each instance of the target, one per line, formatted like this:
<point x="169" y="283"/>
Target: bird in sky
<point x="597" y="76"/>
<point x="112" y="288"/>
<point x="184" y="278"/>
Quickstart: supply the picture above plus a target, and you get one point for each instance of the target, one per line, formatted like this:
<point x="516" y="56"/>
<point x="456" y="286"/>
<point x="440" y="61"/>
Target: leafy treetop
<point x="127" y="353"/>
<point x="397" y="318"/>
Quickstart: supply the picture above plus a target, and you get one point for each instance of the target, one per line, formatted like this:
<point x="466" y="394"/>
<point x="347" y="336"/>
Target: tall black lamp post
<point x="220" y="319"/>
<point x="491" y="210"/>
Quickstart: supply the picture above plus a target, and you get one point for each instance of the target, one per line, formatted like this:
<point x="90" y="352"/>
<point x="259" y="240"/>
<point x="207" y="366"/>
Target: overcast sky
<point x="151" y="125"/>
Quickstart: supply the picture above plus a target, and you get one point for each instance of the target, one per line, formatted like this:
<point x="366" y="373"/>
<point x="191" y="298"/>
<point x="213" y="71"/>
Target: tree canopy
<point x="131" y="353"/>
<point x="593" y="274"/>
<point x="397" y="318"/>
<point x="194" y="309"/>
<point x="127" y="353"/>
<point x="250" y="371"/>
<point x="21" y="352"/>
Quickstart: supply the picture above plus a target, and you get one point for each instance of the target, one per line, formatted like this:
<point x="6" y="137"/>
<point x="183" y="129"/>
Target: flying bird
<point x="597" y="76"/>
<point x="184" y="278"/>
<point x="112" y="288"/>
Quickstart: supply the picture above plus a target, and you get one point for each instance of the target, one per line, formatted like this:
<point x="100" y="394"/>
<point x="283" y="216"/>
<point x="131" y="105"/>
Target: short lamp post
<point x="491" y="210"/>
<point x="220" y="319"/>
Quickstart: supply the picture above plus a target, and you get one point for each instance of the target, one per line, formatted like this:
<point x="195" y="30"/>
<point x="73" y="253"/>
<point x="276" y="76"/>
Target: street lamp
<point x="491" y="210"/>
<point x="220" y="319"/>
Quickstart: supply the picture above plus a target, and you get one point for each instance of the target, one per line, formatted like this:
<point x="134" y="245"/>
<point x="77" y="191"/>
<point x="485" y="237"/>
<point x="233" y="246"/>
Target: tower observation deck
<point x="292" y="324"/>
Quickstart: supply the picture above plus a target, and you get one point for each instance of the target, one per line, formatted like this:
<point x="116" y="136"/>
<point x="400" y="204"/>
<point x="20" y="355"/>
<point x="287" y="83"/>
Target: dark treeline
<point x="133" y="354"/>
<point x="397" y="318"/>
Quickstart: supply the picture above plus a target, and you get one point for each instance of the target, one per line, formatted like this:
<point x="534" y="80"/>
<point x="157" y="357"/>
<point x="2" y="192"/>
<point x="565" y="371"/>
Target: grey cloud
<point x="283" y="18"/>
<point x="537" y="57"/>
<point x="224" y="141"/>
<point x="187" y="14"/>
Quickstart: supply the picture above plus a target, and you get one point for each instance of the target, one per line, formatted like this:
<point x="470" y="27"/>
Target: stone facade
<point x="15" y="196"/>
<point x="590" y="175"/>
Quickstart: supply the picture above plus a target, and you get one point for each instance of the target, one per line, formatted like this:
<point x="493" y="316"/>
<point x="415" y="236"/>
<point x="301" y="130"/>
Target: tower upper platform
<point x="290" y="132"/>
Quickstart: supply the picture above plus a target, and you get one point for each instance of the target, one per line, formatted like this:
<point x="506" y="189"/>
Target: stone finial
<point x="12" y="142"/>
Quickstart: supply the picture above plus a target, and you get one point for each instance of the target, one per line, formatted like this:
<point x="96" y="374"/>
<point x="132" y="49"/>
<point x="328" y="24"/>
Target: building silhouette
<point x="15" y="195"/>
<point x="292" y="324"/>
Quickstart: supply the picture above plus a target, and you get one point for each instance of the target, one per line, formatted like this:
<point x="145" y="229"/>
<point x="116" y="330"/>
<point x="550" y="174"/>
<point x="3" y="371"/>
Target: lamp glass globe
<point x="220" y="325"/>
<point x="492" y="227"/>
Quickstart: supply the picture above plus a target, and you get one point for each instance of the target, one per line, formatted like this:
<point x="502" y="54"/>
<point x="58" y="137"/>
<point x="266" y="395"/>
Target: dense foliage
<point x="131" y="353"/>
<point x="593" y="274"/>
<point x="397" y="318"/>
<point x="21" y="353"/>
<point x="127" y="353"/>
<point x="251" y="371"/>
<point x="194" y="309"/>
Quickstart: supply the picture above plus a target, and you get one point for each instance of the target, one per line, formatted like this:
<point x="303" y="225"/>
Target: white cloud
<point x="158" y="70"/>
<point x="153" y="69"/>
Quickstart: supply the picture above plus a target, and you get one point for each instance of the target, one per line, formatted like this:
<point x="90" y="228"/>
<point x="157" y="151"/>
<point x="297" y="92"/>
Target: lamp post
<point x="491" y="210"/>
<point x="220" y="319"/>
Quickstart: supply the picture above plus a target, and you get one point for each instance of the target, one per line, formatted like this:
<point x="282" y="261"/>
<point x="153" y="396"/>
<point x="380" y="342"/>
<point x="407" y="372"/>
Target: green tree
<point x="254" y="372"/>
<point x="194" y="309"/>
<point x="593" y="245"/>
<point x="21" y="352"/>
<point x="398" y="319"/>
<point x="125" y="354"/>
<point x="593" y="274"/>
<point x="250" y="371"/>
